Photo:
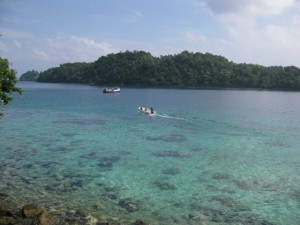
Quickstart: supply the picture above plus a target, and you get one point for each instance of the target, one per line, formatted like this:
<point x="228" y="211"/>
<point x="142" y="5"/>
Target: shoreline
<point x="171" y="87"/>
<point x="13" y="210"/>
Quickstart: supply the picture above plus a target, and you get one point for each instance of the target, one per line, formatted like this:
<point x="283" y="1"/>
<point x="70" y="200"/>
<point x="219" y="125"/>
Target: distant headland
<point x="183" y="70"/>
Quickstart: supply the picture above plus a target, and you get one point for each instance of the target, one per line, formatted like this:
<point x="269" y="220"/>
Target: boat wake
<point x="152" y="113"/>
<point x="169" y="117"/>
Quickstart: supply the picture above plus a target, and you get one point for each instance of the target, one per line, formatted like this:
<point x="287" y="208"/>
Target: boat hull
<point x="112" y="90"/>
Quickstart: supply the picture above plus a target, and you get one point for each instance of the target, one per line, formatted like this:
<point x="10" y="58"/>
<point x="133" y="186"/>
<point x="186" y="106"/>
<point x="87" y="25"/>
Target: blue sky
<point x="39" y="34"/>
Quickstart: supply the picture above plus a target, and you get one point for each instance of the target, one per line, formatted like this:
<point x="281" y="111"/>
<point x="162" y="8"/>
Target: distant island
<point x="30" y="76"/>
<point x="184" y="70"/>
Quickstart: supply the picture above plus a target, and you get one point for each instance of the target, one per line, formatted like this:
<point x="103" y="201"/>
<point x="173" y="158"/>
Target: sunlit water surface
<point x="208" y="157"/>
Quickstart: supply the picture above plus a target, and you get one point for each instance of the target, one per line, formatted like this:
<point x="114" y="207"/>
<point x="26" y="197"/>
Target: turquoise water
<point x="208" y="157"/>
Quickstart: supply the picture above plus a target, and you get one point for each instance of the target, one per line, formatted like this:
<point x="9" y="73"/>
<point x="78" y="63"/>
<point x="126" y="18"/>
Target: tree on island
<point x="30" y="76"/>
<point x="8" y="81"/>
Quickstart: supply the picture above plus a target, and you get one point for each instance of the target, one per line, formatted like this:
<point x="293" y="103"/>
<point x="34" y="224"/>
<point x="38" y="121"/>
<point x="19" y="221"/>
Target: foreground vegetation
<point x="139" y="68"/>
<point x="8" y="81"/>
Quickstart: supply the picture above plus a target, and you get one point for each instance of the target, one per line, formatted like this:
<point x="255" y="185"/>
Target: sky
<point x="40" y="34"/>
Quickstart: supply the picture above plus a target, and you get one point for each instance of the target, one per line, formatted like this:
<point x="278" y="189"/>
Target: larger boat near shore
<point x="111" y="90"/>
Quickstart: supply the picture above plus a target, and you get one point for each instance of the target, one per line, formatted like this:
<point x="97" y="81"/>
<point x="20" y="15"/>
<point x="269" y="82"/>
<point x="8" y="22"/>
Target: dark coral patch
<point x="234" y="215"/>
<point x="171" y="171"/>
<point x="129" y="204"/>
<point x="230" y="203"/>
<point x="175" y="154"/>
<point x="88" y="121"/>
<point x="108" y="162"/>
<point x="197" y="149"/>
<point x="164" y="185"/>
<point x="82" y="121"/>
<point x="90" y="155"/>
<point x="295" y="195"/>
<point x="168" y="138"/>
<point x="221" y="176"/>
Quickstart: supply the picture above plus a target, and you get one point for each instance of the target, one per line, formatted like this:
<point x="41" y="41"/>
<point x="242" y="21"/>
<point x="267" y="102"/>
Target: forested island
<point x="184" y="70"/>
<point x="30" y="76"/>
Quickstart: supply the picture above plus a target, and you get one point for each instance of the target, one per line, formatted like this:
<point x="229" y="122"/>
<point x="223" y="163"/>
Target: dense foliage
<point x="30" y="76"/>
<point x="8" y="80"/>
<point x="139" y="68"/>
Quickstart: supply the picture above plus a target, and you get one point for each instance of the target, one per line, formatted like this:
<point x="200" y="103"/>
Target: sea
<point x="207" y="157"/>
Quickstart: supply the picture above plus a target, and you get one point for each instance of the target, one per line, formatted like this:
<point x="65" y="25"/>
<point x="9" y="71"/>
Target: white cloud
<point x="266" y="8"/>
<point x="14" y="34"/>
<point x="88" y="46"/>
<point x="39" y="53"/>
<point x="188" y="39"/>
<point x="284" y="37"/>
<point x="296" y="20"/>
<point x="3" y="47"/>
<point x="64" y="48"/>
<point x="258" y="31"/>
<point x="31" y="52"/>
<point x="73" y="48"/>
<point x="224" y="6"/>
<point x="247" y="7"/>
<point x="133" y="16"/>
<point x="18" y="44"/>
<point x="194" y="36"/>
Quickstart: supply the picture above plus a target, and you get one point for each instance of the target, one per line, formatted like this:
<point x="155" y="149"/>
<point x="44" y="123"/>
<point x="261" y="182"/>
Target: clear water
<point x="208" y="157"/>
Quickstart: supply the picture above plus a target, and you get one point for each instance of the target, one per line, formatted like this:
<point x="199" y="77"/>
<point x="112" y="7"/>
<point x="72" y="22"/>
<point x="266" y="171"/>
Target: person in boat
<point x="151" y="110"/>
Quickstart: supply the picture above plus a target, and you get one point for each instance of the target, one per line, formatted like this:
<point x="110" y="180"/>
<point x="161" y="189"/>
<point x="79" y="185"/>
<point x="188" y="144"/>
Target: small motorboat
<point x="111" y="90"/>
<point x="148" y="111"/>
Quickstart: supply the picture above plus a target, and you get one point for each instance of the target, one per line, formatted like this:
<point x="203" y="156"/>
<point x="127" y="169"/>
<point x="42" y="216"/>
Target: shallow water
<point x="208" y="157"/>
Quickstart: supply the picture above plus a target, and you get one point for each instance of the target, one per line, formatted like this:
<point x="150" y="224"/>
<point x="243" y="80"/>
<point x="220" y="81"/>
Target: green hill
<point x="139" y="68"/>
<point x="30" y="76"/>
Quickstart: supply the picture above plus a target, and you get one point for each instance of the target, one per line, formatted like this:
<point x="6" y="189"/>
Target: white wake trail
<point x="169" y="117"/>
